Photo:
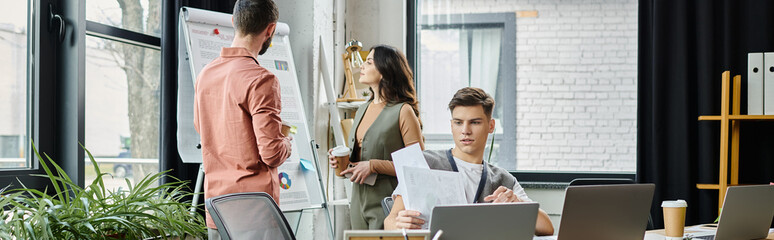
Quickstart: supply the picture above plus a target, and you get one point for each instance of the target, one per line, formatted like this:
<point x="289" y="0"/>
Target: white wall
<point x="299" y="15"/>
<point x="375" y="22"/>
<point x="309" y="20"/>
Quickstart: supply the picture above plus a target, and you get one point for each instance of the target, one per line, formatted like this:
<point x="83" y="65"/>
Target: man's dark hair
<point x="253" y="16"/>
<point x="471" y="96"/>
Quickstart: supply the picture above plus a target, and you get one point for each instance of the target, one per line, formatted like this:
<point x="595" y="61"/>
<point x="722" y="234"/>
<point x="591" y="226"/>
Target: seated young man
<point x="471" y="110"/>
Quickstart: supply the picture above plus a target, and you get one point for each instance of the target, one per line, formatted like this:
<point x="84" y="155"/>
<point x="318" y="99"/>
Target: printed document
<point x="427" y="188"/>
<point x="411" y="156"/>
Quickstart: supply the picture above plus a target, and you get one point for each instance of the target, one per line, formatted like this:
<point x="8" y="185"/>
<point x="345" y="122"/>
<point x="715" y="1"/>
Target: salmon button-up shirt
<point x="236" y="112"/>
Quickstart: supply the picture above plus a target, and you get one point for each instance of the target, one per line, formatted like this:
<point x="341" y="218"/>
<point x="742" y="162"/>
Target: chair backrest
<point x="387" y="205"/>
<point x="251" y="215"/>
<point x="608" y="181"/>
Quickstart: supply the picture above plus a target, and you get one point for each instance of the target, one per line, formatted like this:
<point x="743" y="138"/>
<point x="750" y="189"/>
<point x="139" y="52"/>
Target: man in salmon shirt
<point x="237" y="111"/>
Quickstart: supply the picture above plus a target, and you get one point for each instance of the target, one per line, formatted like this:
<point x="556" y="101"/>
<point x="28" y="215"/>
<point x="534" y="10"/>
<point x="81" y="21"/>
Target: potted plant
<point x="93" y="212"/>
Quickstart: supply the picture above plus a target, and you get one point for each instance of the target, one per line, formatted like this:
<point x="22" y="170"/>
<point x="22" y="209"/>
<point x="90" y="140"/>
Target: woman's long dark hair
<point x="397" y="84"/>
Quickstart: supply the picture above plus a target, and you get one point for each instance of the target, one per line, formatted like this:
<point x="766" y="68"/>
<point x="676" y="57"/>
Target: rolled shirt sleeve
<point x="265" y="105"/>
<point x="519" y="191"/>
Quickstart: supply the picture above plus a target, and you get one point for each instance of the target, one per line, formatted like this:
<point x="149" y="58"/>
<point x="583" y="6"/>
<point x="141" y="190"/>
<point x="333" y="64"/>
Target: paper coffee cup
<point x="674" y="218"/>
<point x="287" y="129"/>
<point x="341" y="154"/>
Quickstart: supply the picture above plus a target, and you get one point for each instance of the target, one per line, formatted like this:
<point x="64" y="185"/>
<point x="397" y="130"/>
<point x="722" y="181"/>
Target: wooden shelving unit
<point x="731" y="121"/>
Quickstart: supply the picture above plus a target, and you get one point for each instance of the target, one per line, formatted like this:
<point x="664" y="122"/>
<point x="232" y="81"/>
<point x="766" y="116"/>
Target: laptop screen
<point x="606" y="212"/>
<point x="485" y="221"/>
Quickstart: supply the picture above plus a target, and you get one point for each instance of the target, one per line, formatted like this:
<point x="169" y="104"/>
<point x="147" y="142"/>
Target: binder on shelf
<point x="768" y="83"/>
<point x="755" y="84"/>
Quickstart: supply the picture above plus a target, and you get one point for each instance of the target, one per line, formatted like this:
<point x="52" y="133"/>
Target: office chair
<point x="252" y="215"/>
<point x="387" y="205"/>
<point x="608" y="181"/>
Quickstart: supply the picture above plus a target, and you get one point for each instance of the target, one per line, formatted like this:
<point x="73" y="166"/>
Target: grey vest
<point x="496" y="176"/>
<point x="381" y="139"/>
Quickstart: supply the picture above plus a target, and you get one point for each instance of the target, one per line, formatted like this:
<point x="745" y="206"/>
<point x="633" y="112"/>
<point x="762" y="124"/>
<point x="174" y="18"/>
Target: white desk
<point x="659" y="234"/>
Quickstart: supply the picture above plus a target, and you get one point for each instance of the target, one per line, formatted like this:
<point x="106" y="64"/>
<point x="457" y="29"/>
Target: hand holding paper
<point x="427" y="188"/>
<point x="408" y="156"/>
<point x="409" y="219"/>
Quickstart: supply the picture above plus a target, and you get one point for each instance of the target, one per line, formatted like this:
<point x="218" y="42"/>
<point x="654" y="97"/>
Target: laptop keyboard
<point x="710" y="237"/>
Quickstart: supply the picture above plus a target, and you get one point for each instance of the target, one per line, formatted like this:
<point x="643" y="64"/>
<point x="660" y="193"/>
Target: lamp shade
<point x="353" y="48"/>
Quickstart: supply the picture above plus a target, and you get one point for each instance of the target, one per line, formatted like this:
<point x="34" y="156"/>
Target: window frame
<point x="41" y="86"/>
<point x="99" y="30"/>
<point x="121" y="35"/>
<point x="472" y="21"/>
<point x="413" y="41"/>
<point x="55" y="90"/>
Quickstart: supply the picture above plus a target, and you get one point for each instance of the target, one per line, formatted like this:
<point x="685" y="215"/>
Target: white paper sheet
<point x="696" y="232"/>
<point x="427" y="188"/>
<point x="408" y="156"/>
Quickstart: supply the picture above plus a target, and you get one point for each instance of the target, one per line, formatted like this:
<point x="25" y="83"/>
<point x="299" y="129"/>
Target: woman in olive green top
<point x="387" y="122"/>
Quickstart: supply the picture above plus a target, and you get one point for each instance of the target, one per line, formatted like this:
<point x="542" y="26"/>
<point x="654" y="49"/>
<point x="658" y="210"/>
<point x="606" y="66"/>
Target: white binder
<point x="755" y="84"/>
<point x="768" y="83"/>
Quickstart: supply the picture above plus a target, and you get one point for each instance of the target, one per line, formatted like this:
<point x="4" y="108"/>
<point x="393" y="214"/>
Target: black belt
<point x="481" y="183"/>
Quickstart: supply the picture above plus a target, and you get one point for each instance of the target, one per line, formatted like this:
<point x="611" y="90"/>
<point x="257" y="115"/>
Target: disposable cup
<point x="341" y="154"/>
<point x="286" y="129"/>
<point x="674" y="218"/>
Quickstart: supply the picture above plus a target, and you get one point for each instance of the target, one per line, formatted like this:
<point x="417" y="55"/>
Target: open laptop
<point x="605" y="212"/>
<point x="747" y="214"/>
<point x="485" y="221"/>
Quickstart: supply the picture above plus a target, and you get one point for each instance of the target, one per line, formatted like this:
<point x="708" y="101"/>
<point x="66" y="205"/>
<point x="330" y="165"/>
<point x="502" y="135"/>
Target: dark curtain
<point x="684" y="46"/>
<point x="170" y="159"/>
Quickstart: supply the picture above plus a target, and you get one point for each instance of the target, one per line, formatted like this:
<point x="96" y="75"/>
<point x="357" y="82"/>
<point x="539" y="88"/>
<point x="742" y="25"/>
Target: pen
<point x="405" y="237"/>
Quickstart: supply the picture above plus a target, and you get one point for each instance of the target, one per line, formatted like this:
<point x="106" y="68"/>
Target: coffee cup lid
<point x="674" y="203"/>
<point x="340" y="151"/>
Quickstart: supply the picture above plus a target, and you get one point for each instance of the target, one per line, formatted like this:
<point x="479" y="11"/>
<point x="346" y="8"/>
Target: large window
<point x="140" y="16"/>
<point x="122" y="89"/>
<point x="29" y="92"/>
<point x="14" y="86"/>
<point x="563" y="74"/>
<point x="61" y="88"/>
<point x="459" y="51"/>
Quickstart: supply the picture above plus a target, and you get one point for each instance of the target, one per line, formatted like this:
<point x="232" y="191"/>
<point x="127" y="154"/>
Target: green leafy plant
<point x="94" y="212"/>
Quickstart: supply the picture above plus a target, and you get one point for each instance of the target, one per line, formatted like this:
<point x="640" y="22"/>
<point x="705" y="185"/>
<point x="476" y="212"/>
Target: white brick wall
<point x="576" y="81"/>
